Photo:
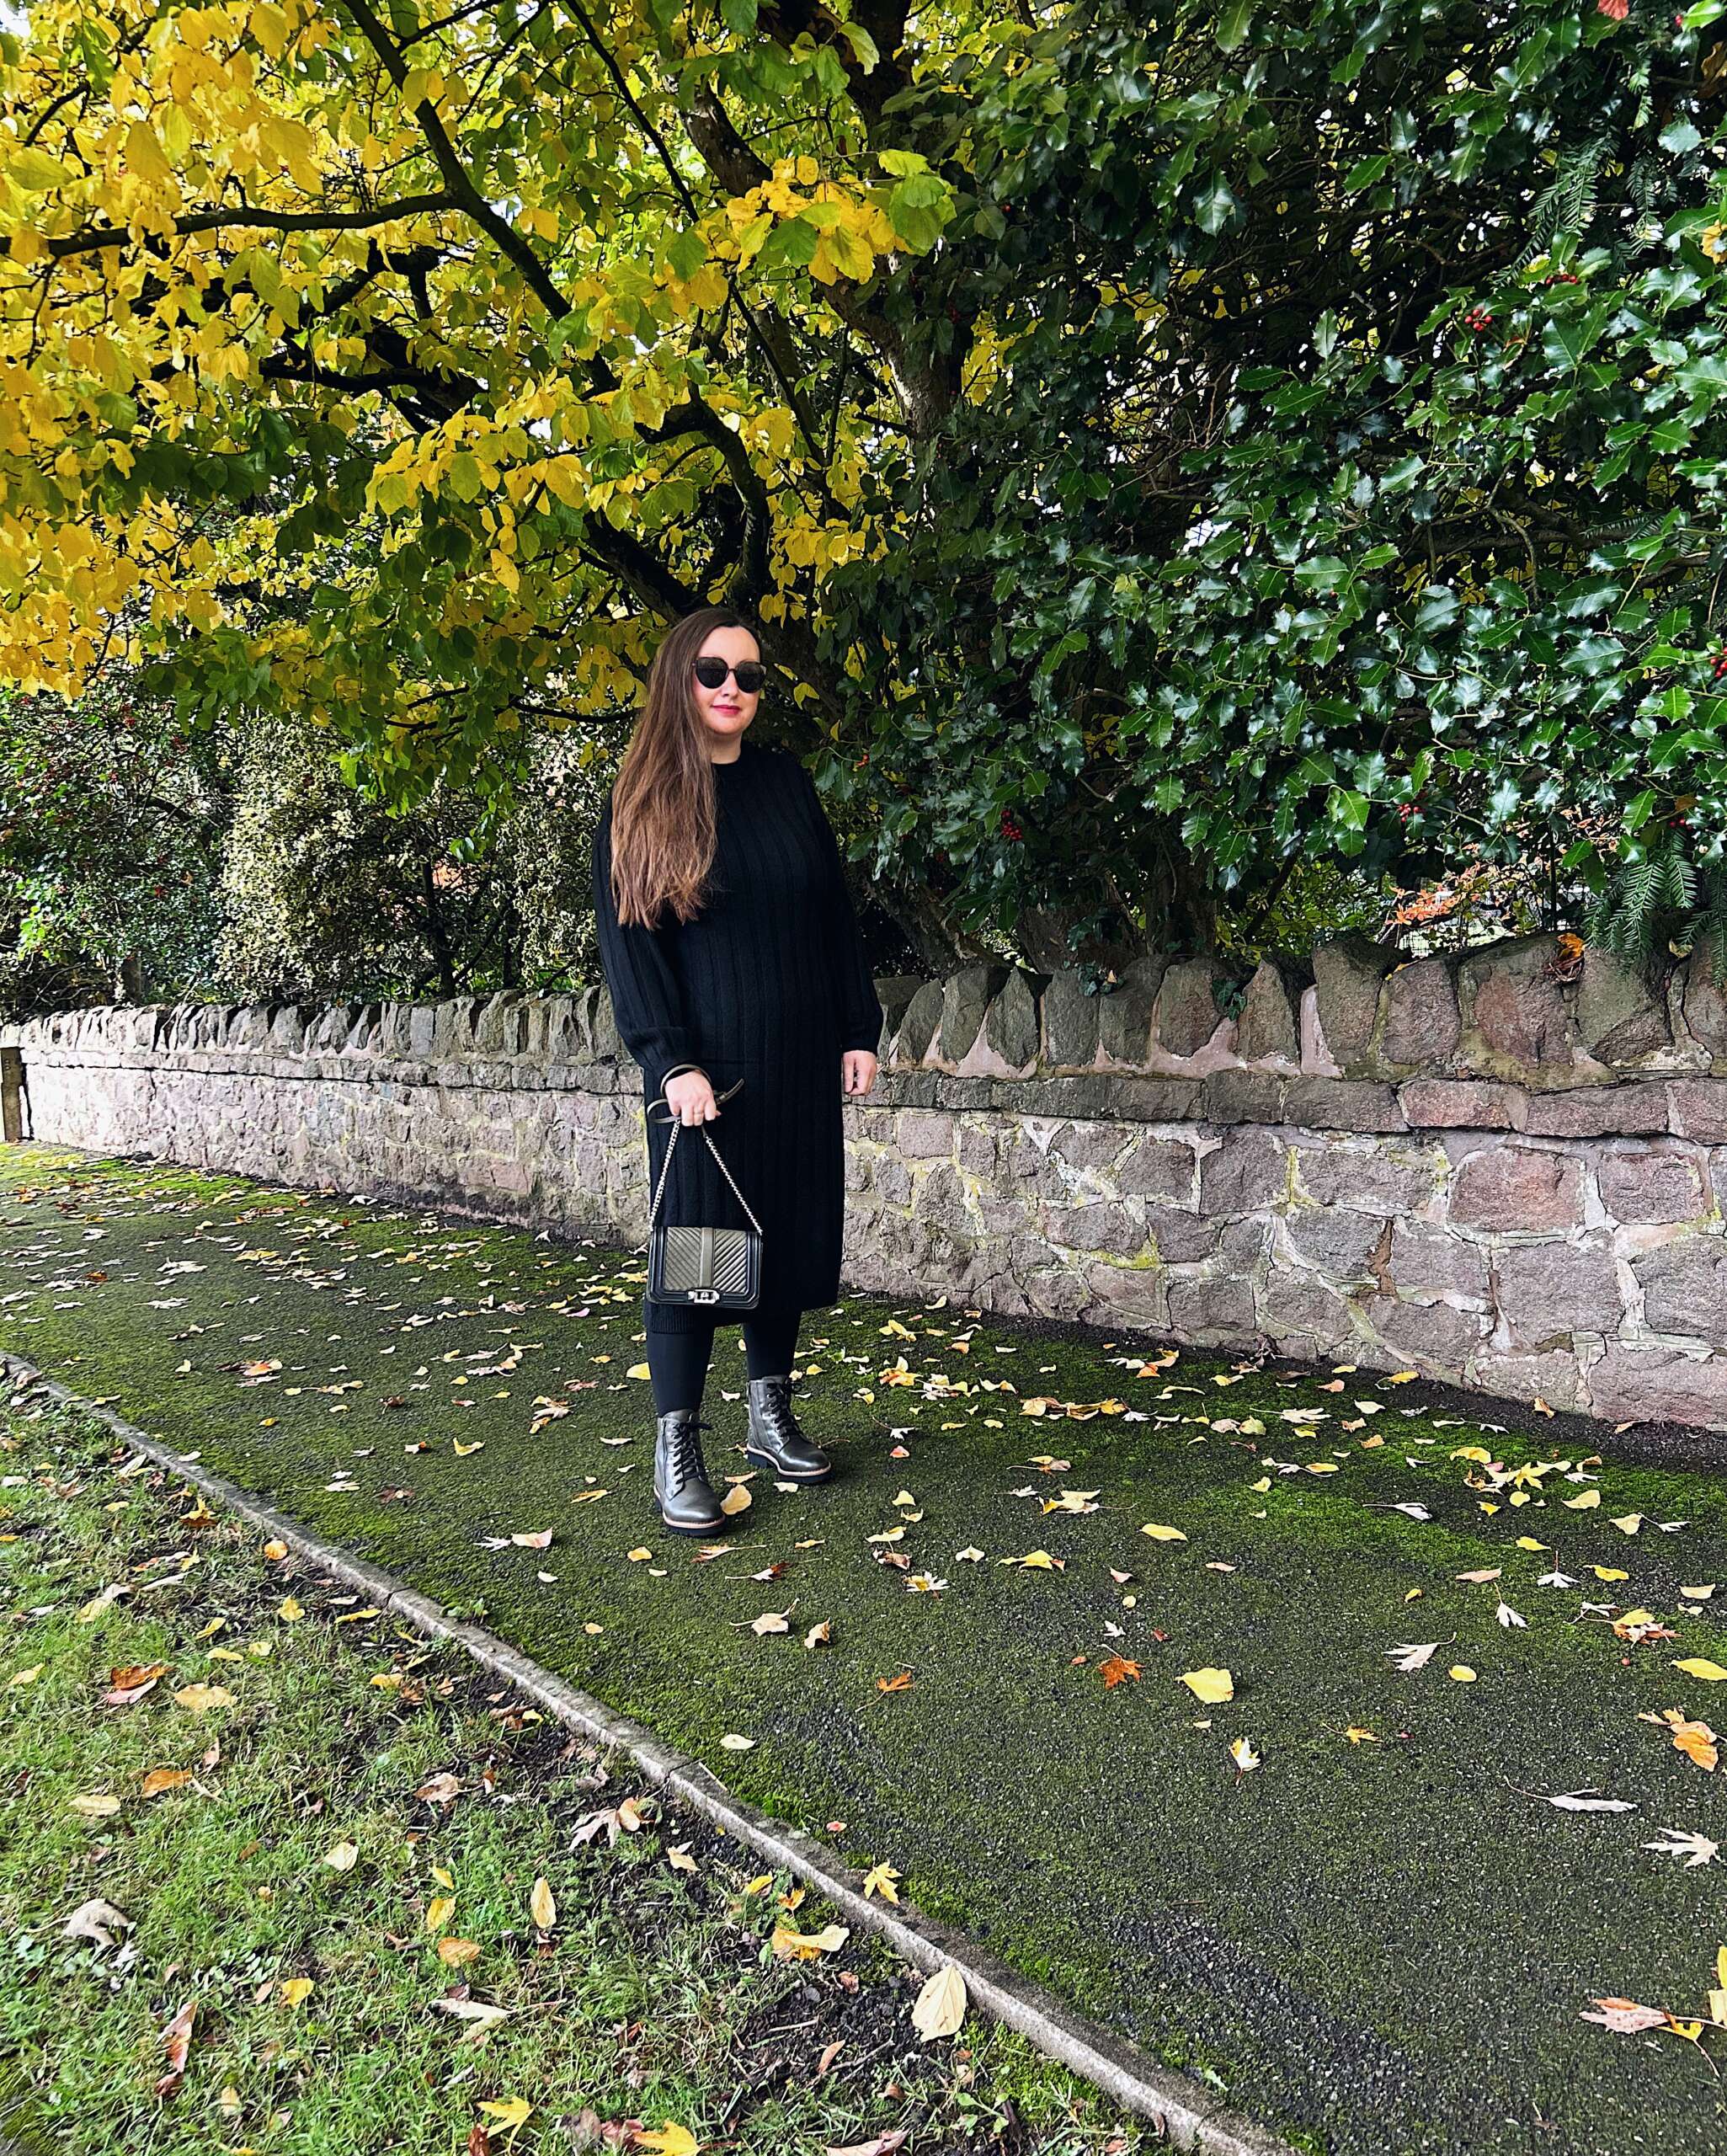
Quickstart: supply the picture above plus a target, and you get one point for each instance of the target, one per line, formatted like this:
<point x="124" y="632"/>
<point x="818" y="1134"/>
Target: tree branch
<point x="280" y="221"/>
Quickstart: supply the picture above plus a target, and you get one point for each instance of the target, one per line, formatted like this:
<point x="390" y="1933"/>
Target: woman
<point x="731" y="950"/>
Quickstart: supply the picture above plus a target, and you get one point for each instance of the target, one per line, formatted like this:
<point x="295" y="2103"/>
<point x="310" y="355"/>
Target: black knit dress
<point x="768" y="983"/>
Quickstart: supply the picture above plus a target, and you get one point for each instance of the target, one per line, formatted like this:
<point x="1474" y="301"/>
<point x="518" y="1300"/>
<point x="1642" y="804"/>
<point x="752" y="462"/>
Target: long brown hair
<point x="663" y="833"/>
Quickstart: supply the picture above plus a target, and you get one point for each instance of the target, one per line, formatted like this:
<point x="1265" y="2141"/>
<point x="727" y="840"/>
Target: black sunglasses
<point x="711" y="671"/>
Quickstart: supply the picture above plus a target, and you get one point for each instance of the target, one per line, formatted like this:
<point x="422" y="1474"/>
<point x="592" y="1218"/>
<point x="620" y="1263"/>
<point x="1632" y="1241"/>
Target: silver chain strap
<point x="671" y="1147"/>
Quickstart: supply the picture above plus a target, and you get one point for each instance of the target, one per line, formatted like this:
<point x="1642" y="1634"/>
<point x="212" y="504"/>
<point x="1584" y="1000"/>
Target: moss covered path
<point x="1342" y="1894"/>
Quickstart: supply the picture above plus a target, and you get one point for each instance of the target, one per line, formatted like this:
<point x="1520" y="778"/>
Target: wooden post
<point x="11" y="1095"/>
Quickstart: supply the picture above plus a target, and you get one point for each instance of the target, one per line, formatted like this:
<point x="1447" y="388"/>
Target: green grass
<point x="1381" y="1945"/>
<point x="654" y="1994"/>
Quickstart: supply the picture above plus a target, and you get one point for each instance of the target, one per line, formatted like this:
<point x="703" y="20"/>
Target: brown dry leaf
<point x="899" y="1684"/>
<point x="1626" y="2016"/>
<point x="820" y="1635"/>
<point x="441" y="1788"/>
<point x="457" y="1953"/>
<point x="1695" y="1739"/>
<point x="132" y="1683"/>
<point x="884" y="2144"/>
<point x="95" y="1920"/>
<point x="177" y="2042"/>
<point x="1116" y="1670"/>
<point x="160" y="1779"/>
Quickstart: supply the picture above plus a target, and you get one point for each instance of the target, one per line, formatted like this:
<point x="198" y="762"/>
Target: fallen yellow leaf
<point x="667" y="2140"/>
<point x="940" y="2008"/>
<point x="791" y="1943"/>
<point x="200" y="1698"/>
<point x="880" y="1880"/>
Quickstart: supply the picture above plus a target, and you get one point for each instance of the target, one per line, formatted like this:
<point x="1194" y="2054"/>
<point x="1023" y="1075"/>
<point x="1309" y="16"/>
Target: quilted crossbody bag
<point x="707" y="1268"/>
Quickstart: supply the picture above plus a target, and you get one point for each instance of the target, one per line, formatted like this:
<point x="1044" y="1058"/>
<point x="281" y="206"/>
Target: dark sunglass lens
<point x="750" y="677"/>
<point x="711" y="672"/>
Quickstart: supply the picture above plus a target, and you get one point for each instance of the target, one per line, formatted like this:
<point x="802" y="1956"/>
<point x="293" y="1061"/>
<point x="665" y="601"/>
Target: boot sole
<point x="673" y="1528"/>
<point x="785" y="1474"/>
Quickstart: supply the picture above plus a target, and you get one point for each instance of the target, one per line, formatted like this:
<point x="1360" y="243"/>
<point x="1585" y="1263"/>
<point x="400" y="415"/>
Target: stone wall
<point x="1508" y="1171"/>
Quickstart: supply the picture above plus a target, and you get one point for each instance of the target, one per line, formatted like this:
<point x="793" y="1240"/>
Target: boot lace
<point x="687" y="1446"/>
<point x="775" y="1407"/>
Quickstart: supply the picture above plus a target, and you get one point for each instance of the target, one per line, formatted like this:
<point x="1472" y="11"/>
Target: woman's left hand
<point x="858" y="1070"/>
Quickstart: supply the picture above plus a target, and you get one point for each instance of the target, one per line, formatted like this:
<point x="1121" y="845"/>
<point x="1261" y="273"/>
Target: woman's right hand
<point x="689" y="1097"/>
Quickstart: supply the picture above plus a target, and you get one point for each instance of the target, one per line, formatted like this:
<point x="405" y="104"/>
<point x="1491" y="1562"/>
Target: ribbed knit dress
<point x="769" y="983"/>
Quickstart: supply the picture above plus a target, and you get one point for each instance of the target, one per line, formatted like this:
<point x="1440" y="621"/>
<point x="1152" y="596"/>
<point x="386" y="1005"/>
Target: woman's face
<point x="726" y="709"/>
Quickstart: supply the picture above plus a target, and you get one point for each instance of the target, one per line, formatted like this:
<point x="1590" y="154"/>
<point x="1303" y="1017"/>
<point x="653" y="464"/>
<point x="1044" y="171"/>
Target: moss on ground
<point x="1383" y="1943"/>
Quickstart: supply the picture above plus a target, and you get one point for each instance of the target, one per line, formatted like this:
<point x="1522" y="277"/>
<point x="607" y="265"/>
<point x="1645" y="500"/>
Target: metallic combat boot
<point x="686" y="1501"/>
<point x="775" y="1440"/>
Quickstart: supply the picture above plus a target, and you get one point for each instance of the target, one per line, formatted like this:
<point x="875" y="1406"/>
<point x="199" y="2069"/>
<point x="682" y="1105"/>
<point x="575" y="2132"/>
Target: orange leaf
<point x="1116" y="1670"/>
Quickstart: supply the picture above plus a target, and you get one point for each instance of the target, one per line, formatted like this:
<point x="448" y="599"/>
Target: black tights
<point x="677" y="1362"/>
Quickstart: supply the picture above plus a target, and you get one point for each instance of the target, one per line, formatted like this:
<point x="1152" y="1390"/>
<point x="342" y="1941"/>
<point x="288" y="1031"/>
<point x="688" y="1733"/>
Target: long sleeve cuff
<point x="656" y="1060"/>
<point x="862" y="1033"/>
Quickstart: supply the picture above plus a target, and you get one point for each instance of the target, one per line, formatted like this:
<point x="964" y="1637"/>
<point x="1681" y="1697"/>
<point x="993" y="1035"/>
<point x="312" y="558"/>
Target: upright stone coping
<point x="1507" y="1171"/>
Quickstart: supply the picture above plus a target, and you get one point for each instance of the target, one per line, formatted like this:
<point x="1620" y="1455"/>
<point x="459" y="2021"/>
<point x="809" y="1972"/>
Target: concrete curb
<point x="1184" y="2114"/>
